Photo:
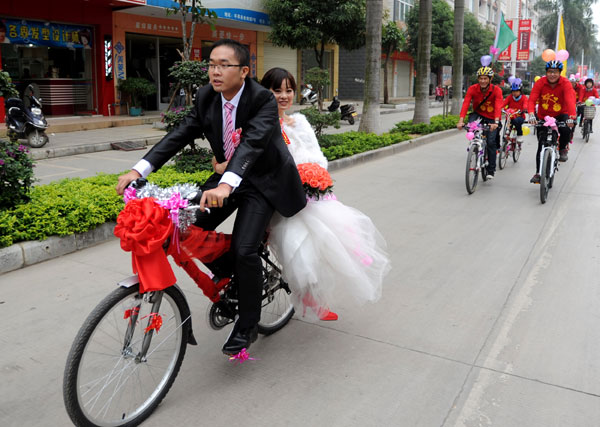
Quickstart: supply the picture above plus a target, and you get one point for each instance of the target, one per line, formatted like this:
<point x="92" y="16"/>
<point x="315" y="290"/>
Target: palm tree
<point x="369" y="121"/>
<point x="580" y="32"/>
<point x="421" y="114"/>
<point x="457" y="60"/>
<point x="392" y="39"/>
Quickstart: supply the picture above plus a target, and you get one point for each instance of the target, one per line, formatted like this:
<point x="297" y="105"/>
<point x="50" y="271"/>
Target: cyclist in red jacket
<point x="586" y="91"/>
<point x="487" y="107"/>
<point x="517" y="101"/>
<point x="555" y="98"/>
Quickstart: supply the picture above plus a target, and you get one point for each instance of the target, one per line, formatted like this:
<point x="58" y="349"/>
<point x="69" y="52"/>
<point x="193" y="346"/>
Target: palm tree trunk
<point x="421" y="114"/>
<point x="386" y="97"/>
<point x="369" y="121"/>
<point x="457" y="60"/>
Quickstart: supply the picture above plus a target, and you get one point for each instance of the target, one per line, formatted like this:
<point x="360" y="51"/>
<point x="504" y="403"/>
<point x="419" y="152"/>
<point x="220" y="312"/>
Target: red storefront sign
<point x="524" y="36"/>
<point x="506" y="54"/>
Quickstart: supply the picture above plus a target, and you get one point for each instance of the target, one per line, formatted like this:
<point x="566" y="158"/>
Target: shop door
<point x="142" y="61"/>
<point x="167" y="56"/>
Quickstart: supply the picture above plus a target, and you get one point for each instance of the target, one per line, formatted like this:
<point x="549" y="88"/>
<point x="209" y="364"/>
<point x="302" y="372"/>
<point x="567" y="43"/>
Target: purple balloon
<point x="511" y="79"/>
<point x="486" y="60"/>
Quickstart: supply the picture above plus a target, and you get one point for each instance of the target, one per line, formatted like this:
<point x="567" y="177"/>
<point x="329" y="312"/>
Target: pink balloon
<point x="562" y="55"/>
<point x="577" y="75"/>
<point x="470" y="135"/>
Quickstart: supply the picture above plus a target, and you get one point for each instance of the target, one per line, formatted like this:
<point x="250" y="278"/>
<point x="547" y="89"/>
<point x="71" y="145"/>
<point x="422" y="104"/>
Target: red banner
<point x="506" y="55"/>
<point x="524" y="36"/>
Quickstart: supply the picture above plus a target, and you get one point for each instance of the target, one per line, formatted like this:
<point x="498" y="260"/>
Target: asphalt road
<point x="489" y="316"/>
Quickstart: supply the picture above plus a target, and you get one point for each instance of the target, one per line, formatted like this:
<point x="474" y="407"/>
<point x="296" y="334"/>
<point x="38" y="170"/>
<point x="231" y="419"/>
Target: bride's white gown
<point x="327" y="248"/>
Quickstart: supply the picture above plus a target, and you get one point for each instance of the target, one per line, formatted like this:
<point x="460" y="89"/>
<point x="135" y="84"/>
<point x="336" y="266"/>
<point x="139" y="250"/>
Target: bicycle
<point x="548" y="156"/>
<point x="509" y="139"/>
<point x="130" y="348"/>
<point x="589" y="112"/>
<point x="477" y="159"/>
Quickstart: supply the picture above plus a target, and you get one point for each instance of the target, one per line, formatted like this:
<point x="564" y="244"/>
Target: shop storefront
<point x="55" y="59"/>
<point x="58" y="46"/>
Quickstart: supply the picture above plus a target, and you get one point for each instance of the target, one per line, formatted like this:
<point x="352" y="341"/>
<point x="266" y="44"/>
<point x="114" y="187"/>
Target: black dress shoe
<point x="239" y="339"/>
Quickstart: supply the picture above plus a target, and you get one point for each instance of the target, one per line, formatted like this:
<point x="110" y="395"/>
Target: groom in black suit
<point x="259" y="176"/>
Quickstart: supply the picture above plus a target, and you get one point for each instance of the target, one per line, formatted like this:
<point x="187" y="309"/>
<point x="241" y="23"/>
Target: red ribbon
<point x="143" y="226"/>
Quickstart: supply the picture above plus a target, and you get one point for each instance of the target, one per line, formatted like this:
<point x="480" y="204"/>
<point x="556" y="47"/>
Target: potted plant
<point x="7" y="90"/>
<point x="137" y="88"/>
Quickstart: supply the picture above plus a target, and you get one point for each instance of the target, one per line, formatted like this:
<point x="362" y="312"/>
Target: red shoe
<point x="322" y="312"/>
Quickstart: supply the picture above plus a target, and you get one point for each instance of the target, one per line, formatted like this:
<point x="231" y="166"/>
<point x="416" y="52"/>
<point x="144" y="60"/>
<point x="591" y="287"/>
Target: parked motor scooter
<point x="26" y="121"/>
<point x="308" y="95"/>
<point x="347" y="111"/>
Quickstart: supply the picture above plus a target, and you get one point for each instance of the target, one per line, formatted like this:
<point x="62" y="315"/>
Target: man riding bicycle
<point x="517" y="101"/>
<point x="487" y="107"/>
<point x="585" y="92"/>
<point x="555" y="98"/>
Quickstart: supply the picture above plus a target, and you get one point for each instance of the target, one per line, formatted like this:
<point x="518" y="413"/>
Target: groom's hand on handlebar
<point x="215" y="198"/>
<point x="125" y="180"/>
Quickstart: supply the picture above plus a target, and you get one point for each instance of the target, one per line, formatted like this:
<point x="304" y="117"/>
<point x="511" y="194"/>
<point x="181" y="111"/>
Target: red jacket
<point x="521" y="104"/>
<point x="576" y="89"/>
<point x="552" y="101"/>
<point x="491" y="109"/>
<point x="585" y="94"/>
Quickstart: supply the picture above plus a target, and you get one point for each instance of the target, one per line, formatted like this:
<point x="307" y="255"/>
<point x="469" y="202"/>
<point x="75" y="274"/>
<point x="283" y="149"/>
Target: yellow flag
<point x="562" y="43"/>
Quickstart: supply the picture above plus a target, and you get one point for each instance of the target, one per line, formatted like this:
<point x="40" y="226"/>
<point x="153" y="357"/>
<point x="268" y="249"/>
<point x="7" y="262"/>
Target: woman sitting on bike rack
<point x="555" y="98"/>
<point x="517" y="101"/>
<point x="487" y="107"/>
<point x="585" y="92"/>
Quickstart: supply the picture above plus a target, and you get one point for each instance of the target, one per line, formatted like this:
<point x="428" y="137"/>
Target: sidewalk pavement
<point x="94" y="139"/>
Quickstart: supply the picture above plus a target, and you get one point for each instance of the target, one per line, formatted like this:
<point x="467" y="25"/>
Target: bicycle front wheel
<point x="586" y="132"/>
<point x="471" y="172"/>
<point x="504" y="153"/>
<point x="516" y="151"/>
<point x="109" y="379"/>
<point x="545" y="175"/>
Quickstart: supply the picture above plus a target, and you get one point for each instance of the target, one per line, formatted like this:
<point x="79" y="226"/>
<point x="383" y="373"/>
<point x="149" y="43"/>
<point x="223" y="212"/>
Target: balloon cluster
<point x="592" y="101"/>
<point x="549" y="55"/>
<point x="515" y="80"/>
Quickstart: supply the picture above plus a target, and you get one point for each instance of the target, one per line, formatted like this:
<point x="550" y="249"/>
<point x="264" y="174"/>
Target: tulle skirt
<point x="327" y="249"/>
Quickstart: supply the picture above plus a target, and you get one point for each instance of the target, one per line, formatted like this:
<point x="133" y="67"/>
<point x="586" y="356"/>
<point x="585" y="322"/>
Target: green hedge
<point x="438" y="123"/>
<point x="350" y="143"/>
<point x="75" y="206"/>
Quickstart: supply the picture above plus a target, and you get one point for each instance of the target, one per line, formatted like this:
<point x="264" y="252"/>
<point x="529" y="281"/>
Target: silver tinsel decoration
<point x="186" y="191"/>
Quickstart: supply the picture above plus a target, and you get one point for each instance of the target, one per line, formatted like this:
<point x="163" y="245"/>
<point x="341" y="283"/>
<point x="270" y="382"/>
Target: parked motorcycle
<point x="308" y="95"/>
<point x="24" y="119"/>
<point x="347" y="111"/>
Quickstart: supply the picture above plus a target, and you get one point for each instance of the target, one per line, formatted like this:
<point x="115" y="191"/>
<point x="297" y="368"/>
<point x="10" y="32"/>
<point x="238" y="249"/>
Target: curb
<point x="72" y="150"/>
<point x="24" y="254"/>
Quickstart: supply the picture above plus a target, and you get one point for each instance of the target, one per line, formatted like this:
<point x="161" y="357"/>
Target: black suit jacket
<point x="262" y="158"/>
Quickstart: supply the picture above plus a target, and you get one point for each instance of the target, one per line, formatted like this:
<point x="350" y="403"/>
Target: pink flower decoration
<point x="494" y="50"/>
<point x="129" y="194"/>
<point x="550" y="122"/>
<point x="470" y="135"/>
<point x="473" y="126"/>
<point x="242" y="356"/>
<point x="236" y="137"/>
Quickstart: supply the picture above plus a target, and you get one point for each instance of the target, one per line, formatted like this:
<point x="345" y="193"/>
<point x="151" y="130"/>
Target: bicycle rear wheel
<point x="471" y="171"/>
<point x="106" y="382"/>
<point x="545" y="176"/>
<point x="277" y="308"/>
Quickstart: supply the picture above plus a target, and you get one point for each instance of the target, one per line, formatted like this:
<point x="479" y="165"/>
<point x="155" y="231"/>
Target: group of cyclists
<point x="552" y="95"/>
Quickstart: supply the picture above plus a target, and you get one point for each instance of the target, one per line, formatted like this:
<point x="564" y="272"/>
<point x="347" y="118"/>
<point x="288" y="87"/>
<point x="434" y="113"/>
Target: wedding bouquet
<point x="315" y="179"/>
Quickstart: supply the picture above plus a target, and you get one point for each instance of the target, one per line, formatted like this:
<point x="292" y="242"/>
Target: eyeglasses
<point x="220" y="67"/>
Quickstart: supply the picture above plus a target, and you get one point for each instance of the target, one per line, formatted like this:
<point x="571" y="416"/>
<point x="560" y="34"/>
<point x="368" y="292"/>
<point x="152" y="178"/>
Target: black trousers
<point x="542" y="134"/>
<point x="254" y="213"/>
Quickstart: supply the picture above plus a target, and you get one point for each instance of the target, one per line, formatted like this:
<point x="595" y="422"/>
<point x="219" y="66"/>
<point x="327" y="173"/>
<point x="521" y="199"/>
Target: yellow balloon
<point x="548" y="55"/>
<point x="526" y="130"/>
<point x="536" y="78"/>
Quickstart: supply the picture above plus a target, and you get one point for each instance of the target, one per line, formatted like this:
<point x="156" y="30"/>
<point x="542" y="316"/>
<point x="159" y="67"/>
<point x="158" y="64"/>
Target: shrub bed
<point x="75" y="205"/>
<point x="438" y="123"/>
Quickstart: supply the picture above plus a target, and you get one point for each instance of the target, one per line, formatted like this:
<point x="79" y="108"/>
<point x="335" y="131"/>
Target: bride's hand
<point x="219" y="167"/>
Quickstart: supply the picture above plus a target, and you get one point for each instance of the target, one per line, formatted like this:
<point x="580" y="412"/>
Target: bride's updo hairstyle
<point x="275" y="77"/>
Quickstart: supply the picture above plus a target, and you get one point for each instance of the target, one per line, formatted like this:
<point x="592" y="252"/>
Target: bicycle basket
<point x="589" y="112"/>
